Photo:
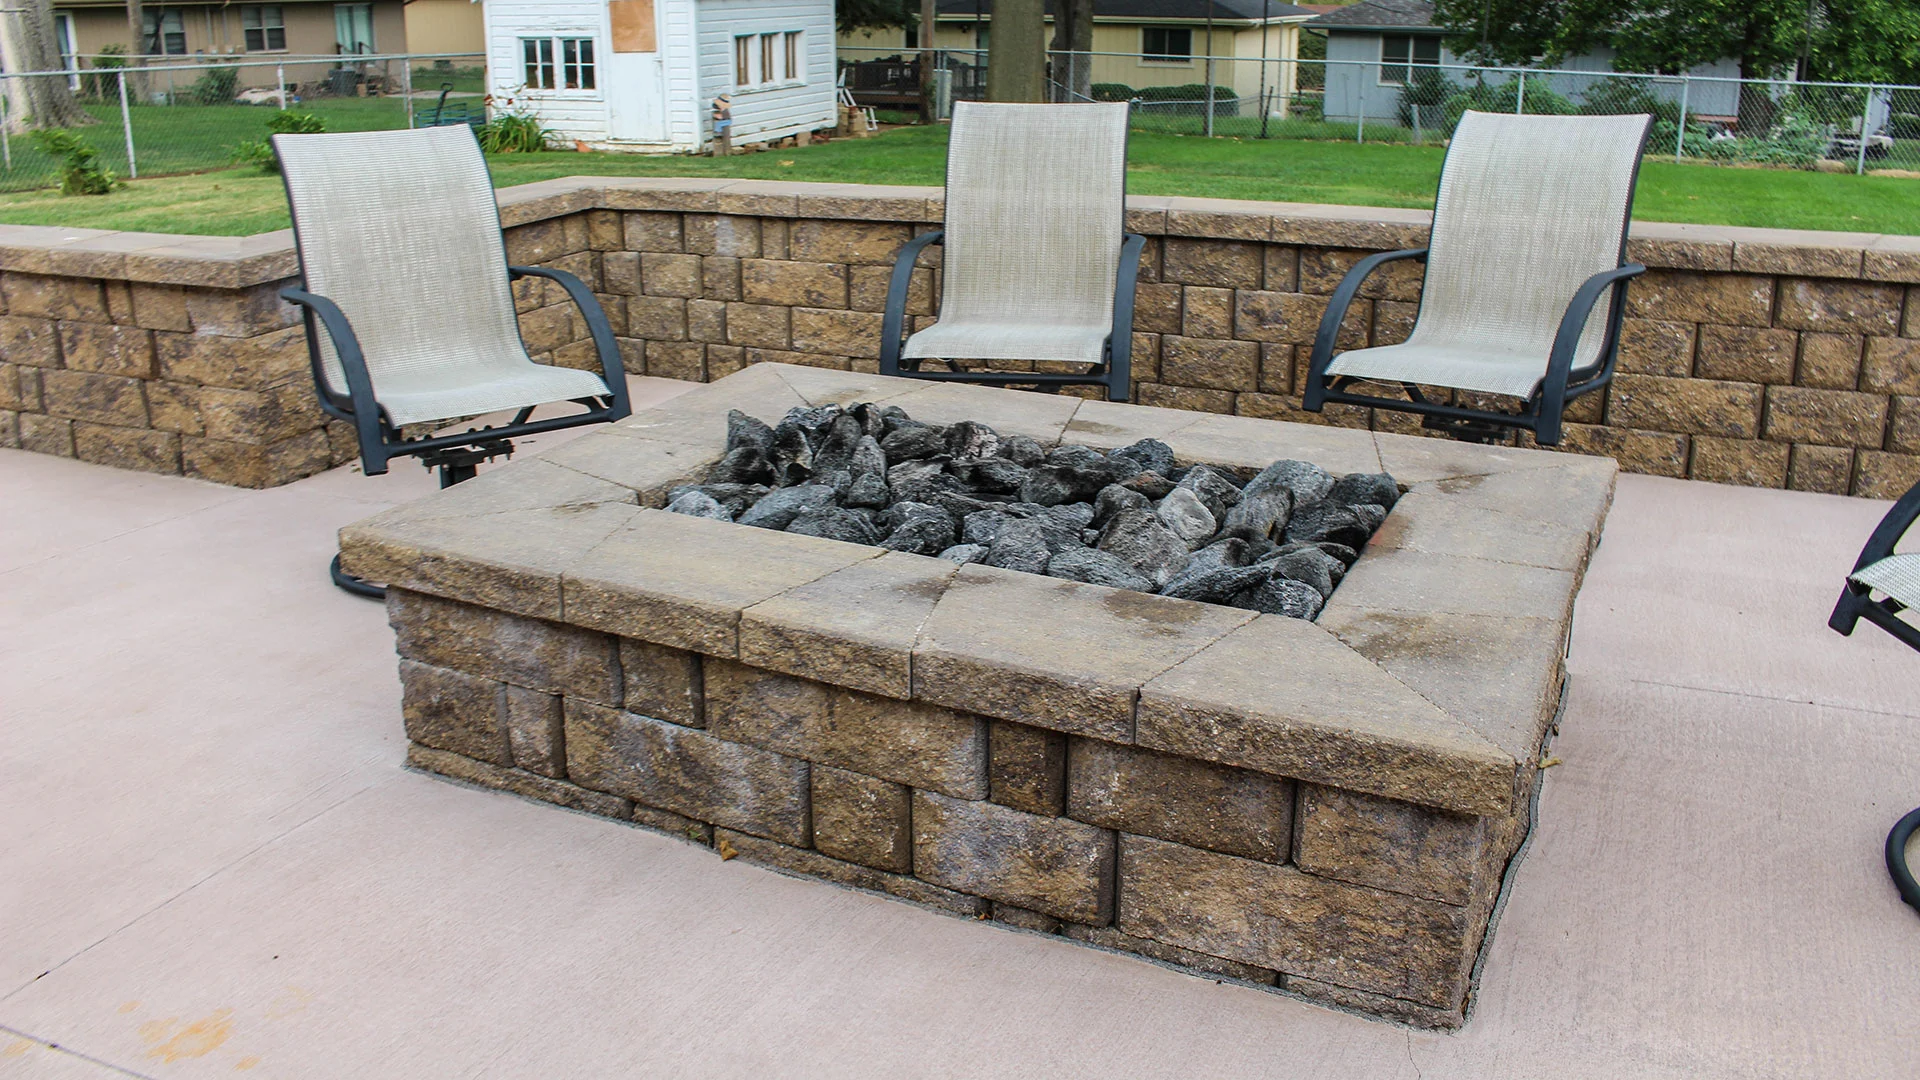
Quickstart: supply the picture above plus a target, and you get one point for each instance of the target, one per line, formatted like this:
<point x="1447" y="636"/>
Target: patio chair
<point x="402" y="264"/>
<point x="1895" y="577"/>
<point x="1037" y="263"/>
<point x="1526" y="279"/>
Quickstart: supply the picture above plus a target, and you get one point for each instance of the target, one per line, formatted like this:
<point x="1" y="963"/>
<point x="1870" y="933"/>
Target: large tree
<point x="852" y="15"/>
<point x="1017" y="51"/>
<point x="27" y="43"/>
<point x="1073" y="33"/>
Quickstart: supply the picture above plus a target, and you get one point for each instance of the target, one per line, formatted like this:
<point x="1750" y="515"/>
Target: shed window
<point x="1397" y="51"/>
<point x="743" y="60"/>
<point x="557" y="63"/>
<point x="767" y="59"/>
<point x="164" y="32"/>
<point x="1166" y="44"/>
<point x="266" y="30"/>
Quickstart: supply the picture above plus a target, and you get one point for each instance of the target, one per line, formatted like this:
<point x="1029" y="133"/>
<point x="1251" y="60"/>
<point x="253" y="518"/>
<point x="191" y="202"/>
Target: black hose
<point x="1897" y="858"/>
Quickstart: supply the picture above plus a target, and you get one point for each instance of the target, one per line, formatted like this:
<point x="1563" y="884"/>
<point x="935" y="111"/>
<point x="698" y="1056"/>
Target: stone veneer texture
<point x="1322" y="808"/>
<point x="1750" y="356"/>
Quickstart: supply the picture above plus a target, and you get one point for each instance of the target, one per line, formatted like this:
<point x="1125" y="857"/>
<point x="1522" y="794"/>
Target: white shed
<point x="642" y="74"/>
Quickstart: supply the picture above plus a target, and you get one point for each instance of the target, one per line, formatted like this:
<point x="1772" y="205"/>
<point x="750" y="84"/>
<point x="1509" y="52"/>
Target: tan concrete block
<point x="663" y="274"/>
<point x="1276" y="369"/>
<point x="796" y="284"/>
<point x="1209" y="363"/>
<point x="707" y="320"/>
<point x="861" y="819"/>
<point x="1745" y="354"/>
<point x="1288" y="408"/>
<point x="1652" y="347"/>
<point x="1687" y="406"/>
<point x="1830" y="361"/>
<point x="649" y="230"/>
<point x="688" y="771"/>
<point x="46" y="434"/>
<point x="1747" y="462"/>
<point x="758" y="326"/>
<point x="867" y="289"/>
<point x="140" y="449"/>
<point x="454" y="711"/>
<point x="1654" y="453"/>
<point x="1222" y="263"/>
<point x="1027" y="768"/>
<point x="720" y="277"/>
<point x="535" y="731"/>
<point x="1282" y="271"/>
<point x="1216" y="807"/>
<point x="29" y="341"/>
<point x="1277" y="917"/>
<point x="864" y="242"/>
<point x="525" y="784"/>
<point x="241" y="363"/>
<point x="663" y="683"/>
<point x="531" y="653"/>
<point x="1429" y="519"/>
<point x="1393" y="321"/>
<point x="1840" y="306"/>
<point x="1322" y="270"/>
<point x="1876" y="474"/>
<point x="1825" y="417"/>
<point x="1686" y="296"/>
<point x="543" y="242"/>
<point x="724" y="360"/>
<point x="657" y="318"/>
<point x="1107" y="937"/>
<point x="1391" y="845"/>
<point x="676" y="360"/>
<point x="247" y="312"/>
<point x="773" y="237"/>
<point x="1156" y="309"/>
<point x="48" y="297"/>
<point x="103" y="399"/>
<point x="1806" y="260"/>
<point x="9" y="429"/>
<point x="1827" y="469"/>
<point x="813" y="864"/>
<point x="854" y="628"/>
<point x="836" y="333"/>
<point x="160" y="307"/>
<point x="603" y="230"/>
<point x="1892" y="366"/>
<point x="722" y="234"/>
<point x="1206" y="313"/>
<point x="620" y="272"/>
<point x="1052" y="865"/>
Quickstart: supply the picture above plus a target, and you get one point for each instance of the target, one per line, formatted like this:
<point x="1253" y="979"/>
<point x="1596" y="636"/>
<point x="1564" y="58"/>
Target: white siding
<point x="776" y="112"/>
<point x="686" y="109"/>
<point x="576" y="114"/>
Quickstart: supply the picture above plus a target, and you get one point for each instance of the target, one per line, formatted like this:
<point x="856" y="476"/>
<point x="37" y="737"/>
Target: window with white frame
<point x="264" y="27"/>
<point x="768" y="59"/>
<point x="164" y="32"/>
<point x="1166" y="44"/>
<point x="1399" y="51"/>
<point x="558" y="63"/>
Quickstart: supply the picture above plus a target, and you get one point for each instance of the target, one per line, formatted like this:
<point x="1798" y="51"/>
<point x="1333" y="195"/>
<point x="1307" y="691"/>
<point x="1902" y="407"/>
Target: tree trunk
<point x="927" y="105"/>
<point x="1756" y="105"/>
<point x="27" y="43"/>
<point x="1073" y="38"/>
<point x="136" y="49"/>
<point x="1017" y="52"/>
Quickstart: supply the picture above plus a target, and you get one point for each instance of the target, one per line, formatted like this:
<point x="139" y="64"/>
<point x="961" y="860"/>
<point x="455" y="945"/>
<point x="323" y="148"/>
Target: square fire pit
<point x="1326" y="808"/>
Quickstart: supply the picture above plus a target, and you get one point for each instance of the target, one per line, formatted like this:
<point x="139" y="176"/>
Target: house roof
<point x="1378" y="14"/>
<point x="1152" y="10"/>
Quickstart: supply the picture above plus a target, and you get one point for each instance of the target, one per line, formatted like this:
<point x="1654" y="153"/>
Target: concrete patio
<point x="212" y="861"/>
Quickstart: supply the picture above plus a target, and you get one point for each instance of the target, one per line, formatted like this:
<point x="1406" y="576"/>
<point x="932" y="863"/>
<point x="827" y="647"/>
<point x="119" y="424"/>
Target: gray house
<point x="1373" y="47"/>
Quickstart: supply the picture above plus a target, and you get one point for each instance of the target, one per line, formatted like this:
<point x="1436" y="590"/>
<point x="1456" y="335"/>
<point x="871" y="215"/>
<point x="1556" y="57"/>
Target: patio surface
<point x="211" y="859"/>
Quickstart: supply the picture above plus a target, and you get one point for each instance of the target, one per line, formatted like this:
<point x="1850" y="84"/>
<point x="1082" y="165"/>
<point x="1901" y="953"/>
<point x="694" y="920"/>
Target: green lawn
<point x="235" y="202"/>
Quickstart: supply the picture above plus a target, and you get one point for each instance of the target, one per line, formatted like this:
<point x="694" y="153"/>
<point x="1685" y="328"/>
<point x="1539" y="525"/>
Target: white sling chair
<point x="1526" y="278"/>
<point x="402" y="264"/>
<point x="1038" y="265"/>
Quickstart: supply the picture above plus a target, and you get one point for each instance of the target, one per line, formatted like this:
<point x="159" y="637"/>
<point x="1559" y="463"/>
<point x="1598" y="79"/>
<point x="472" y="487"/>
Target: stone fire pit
<point x="1323" y="807"/>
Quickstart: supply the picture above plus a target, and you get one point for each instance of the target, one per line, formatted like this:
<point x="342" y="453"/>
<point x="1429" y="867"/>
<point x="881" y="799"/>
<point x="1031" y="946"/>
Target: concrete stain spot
<point x="129" y="1006"/>
<point x="154" y="1031"/>
<point x="289" y="1002"/>
<point x="198" y="1039"/>
<point x="1089" y="427"/>
<point x="1147" y="608"/>
<point x="1458" y="484"/>
<point x="246" y="1063"/>
<point x="16" y="1048"/>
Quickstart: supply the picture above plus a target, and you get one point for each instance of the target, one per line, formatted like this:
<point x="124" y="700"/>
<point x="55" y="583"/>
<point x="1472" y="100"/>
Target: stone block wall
<point x="1750" y="356"/>
<point x="1342" y="897"/>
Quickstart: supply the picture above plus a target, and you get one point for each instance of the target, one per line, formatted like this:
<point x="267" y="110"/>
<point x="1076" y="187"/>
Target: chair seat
<point x="1512" y="374"/>
<point x="422" y="395"/>
<point x="1011" y="339"/>
<point x="1897" y="576"/>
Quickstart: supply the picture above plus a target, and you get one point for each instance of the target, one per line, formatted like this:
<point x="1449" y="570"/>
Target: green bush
<point x="259" y="152"/>
<point x="215" y="86"/>
<point x="514" y="133"/>
<point x="80" y="170"/>
<point x="1427" y="90"/>
<point x="1112" y="91"/>
<point x="1503" y="98"/>
<point x="102" y="83"/>
<point x="1624" y="97"/>
<point x="1225" y="101"/>
<point x="1311" y="107"/>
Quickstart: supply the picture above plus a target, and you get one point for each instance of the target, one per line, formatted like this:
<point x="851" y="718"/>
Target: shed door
<point x="636" y="76"/>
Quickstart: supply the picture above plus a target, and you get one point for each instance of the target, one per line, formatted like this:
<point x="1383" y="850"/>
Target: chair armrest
<point x="1887" y="534"/>
<point x="1336" y="314"/>
<point x="353" y="364"/>
<point x="1553" y="389"/>
<point x="1120" y="339"/>
<point x="611" y="369"/>
<point x="895" y="318"/>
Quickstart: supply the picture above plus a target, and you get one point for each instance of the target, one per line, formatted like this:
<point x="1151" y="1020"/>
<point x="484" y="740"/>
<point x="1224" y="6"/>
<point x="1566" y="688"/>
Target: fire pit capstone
<point x="1325" y="808"/>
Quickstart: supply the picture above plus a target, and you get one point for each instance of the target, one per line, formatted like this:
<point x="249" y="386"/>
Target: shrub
<point x="80" y="170"/>
<point x="259" y="152"/>
<point x="101" y="82"/>
<point x="215" y="86"/>
<point x="1427" y="90"/>
<point x="1225" y="102"/>
<point x="1112" y="91"/>
<point x="1503" y="97"/>
<point x="1624" y="97"/>
<point x="514" y="133"/>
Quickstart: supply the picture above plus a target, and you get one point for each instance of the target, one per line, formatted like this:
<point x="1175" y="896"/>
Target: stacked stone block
<point x="1336" y="895"/>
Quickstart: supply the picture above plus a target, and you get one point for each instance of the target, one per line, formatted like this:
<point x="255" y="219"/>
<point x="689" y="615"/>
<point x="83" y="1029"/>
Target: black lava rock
<point x="965" y="553"/>
<point x="1261" y="515"/>
<point x="1020" y="545"/>
<point x="994" y="475"/>
<point x="970" y="440"/>
<point x="1215" y="586"/>
<point x="837" y="523"/>
<point x="1114" y="498"/>
<point x="1327" y="522"/>
<point x="1305" y="481"/>
<point x="1213" y="488"/>
<point x="777" y="509"/>
<point x="1145" y="544"/>
<point x="747" y="465"/>
<point x="696" y="503"/>
<point x="1022" y="450"/>
<point x="913" y="443"/>
<point x="744" y="430"/>
<point x="1096" y="568"/>
<point x="1361" y="489"/>
<point x="1280" y="596"/>
<point x="1151" y="455"/>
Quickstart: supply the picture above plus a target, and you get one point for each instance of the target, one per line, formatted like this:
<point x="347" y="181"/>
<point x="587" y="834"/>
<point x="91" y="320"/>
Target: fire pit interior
<point x="1324" y="808"/>
<point x="1274" y="540"/>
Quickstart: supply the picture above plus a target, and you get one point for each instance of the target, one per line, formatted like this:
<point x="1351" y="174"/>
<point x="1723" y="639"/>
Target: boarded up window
<point x="632" y="25"/>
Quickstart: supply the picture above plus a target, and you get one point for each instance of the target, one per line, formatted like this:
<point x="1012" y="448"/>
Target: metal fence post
<point x="280" y="80"/>
<point x="1520" y="96"/>
<point x="126" y="127"/>
<point x="1209" y="105"/>
<point x="6" y="125"/>
<point x="1860" y="158"/>
<point x="1360" y="132"/>
<point x="1680" y="136"/>
<point x="406" y="88"/>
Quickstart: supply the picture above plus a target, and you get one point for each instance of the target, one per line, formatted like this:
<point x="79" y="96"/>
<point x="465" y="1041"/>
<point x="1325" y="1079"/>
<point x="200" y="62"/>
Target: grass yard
<point x="237" y="202"/>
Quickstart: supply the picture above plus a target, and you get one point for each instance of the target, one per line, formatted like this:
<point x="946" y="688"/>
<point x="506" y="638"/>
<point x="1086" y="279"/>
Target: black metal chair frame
<point x="1542" y="412"/>
<point x="1855" y="602"/>
<point x="1115" y="371"/>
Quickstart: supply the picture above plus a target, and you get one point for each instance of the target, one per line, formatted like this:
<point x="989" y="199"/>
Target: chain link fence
<point x="163" y="118"/>
<point x="1834" y="127"/>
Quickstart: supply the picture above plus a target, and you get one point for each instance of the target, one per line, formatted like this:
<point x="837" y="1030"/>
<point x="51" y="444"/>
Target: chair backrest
<point x="400" y="229"/>
<point x="1529" y="208"/>
<point x="1036" y="209"/>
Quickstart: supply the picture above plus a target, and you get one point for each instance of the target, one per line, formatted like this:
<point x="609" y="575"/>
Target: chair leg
<point x="354" y="585"/>
<point x="456" y="465"/>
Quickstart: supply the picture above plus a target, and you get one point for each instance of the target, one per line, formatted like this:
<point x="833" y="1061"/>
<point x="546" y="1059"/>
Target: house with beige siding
<point x="190" y="33"/>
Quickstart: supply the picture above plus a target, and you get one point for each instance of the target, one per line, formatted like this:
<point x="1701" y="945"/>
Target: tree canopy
<point x="1843" y="40"/>
<point x="855" y="15"/>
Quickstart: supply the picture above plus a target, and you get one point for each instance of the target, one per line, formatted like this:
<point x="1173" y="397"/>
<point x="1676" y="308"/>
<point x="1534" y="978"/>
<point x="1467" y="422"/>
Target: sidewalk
<point x="211" y="859"/>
